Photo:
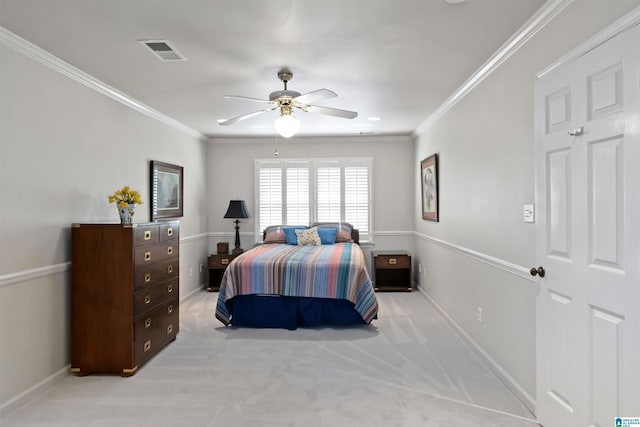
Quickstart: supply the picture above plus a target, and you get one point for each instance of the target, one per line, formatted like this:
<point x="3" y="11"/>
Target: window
<point x="302" y="191"/>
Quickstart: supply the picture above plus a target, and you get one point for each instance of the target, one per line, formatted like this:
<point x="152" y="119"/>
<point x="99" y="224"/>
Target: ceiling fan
<point x="285" y="100"/>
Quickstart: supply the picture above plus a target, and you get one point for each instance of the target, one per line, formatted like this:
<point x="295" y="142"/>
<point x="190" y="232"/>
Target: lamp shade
<point x="237" y="209"/>
<point x="287" y="125"/>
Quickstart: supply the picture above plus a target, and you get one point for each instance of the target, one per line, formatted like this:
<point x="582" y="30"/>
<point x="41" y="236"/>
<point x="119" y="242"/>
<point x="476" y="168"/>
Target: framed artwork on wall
<point x="429" y="179"/>
<point x="166" y="190"/>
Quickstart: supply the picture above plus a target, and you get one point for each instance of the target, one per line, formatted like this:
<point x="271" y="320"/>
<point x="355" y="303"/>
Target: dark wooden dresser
<point x="125" y="287"/>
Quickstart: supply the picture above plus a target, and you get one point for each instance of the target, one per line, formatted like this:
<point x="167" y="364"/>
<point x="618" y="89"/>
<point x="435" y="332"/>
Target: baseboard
<point x="32" y="392"/>
<point x="528" y="401"/>
<point x="193" y="293"/>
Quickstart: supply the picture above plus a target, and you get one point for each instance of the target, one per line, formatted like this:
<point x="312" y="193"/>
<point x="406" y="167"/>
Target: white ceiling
<point x="394" y="59"/>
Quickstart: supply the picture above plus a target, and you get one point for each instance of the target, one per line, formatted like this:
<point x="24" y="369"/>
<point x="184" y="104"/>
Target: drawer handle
<point x="169" y="232"/>
<point x="170" y="269"/>
<point x="224" y="261"/>
<point x="393" y="261"/>
<point x="147" y="346"/>
<point x="147" y="323"/>
<point x="147" y="256"/>
<point x="169" y="329"/>
<point x="170" y="309"/>
<point x="147" y="277"/>
<point x="147" y="235"/>
<point x="169" y="250"/>
<point x="169" y="288"/>
<point x="147" y="299"/>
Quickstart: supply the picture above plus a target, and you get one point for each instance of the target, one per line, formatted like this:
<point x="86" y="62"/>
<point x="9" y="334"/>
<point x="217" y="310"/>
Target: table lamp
<point x="237" y="209"/>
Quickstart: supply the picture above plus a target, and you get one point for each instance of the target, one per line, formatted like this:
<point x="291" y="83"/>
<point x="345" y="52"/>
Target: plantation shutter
<point x="270" y="196"/>
<point x="303" y="191"/>
<point x="356" y="197"/>
<point x="297" y="196"/>
<point x="329" y="197"/>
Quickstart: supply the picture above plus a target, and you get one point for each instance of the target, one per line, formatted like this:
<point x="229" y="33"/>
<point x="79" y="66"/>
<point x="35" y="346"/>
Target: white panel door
<point x="588" y="237"/>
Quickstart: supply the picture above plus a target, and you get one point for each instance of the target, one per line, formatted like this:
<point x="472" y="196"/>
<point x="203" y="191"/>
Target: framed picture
<point x="429" y="178"/>
<point x="166" y="190"/>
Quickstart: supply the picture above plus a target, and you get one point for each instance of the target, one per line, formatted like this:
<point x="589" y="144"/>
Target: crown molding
<point x="34" y="52"/>
<point x="538" y="21"/>
<point x="625" y="23"/>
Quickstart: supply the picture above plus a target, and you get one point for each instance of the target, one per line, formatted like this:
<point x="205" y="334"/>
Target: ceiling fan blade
<point x="244" y="117"/>
<point x="345" y="114"/>
<point x="315" y="96"/>
<point x="248" y="98"/>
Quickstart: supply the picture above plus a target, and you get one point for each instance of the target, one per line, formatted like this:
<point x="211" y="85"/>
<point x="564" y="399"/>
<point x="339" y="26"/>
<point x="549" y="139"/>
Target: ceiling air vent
<point x="163" y="50"/>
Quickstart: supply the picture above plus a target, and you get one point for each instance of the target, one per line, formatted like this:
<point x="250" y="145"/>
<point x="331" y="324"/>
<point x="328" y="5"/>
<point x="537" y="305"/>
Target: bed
<point x="287" y="282"/>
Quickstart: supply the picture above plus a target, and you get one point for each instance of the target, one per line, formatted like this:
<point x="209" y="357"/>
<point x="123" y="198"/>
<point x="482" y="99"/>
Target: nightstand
<point x="392" y="270"/>
<point x="217" y="265"/>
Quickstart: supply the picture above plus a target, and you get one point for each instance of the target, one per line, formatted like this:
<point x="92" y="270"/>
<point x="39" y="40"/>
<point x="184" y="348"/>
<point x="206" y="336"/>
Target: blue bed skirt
<point x="276" y="311"/>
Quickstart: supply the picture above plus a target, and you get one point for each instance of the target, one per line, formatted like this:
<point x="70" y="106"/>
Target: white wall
<point x="485" y="145"/>
<point x="230" y="175"/>
<point x="63" y="149"/>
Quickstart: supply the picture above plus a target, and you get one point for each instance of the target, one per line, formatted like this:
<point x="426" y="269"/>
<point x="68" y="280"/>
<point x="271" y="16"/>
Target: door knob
<point x="537" y="271"/>
<point x="576" y="131"/>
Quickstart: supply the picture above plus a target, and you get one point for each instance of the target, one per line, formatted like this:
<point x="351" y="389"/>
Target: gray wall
<point x="63" y="149"/>
<point x="486" y="147"/>
<point x="230" y="175"/>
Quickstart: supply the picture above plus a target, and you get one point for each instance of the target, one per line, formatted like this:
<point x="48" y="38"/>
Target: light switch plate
<point x="528" y="213"/>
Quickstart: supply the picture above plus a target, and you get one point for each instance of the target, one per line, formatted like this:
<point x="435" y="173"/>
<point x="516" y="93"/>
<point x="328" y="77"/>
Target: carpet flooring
<point x="406" y="369"/>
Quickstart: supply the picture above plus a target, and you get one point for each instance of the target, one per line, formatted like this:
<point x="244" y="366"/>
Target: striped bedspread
<point x="327" y="271"/>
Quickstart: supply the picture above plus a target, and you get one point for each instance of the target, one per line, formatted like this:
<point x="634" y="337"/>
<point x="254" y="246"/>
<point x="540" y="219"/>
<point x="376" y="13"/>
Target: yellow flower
<point x="125" y="197"/>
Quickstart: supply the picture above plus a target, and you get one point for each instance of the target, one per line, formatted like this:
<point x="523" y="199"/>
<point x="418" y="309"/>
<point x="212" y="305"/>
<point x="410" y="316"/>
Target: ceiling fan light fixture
<point x="286" y="100"/>
<point x="286" y="125"/>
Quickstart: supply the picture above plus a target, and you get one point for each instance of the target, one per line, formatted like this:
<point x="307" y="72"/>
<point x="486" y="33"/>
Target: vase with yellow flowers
<point x="126" y="200"/>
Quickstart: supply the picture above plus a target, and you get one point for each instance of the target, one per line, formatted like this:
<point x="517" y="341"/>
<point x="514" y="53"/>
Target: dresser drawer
<point x="154" y="330"/>
<point x="169" y="231"/>
<point x="147" y="234"/>
<point x="146" y="255"/>
<point x="149" y="275"/>
<point x="148" y="298"/>
<point x="220" y="261"/>
<point x="392" y="261"/>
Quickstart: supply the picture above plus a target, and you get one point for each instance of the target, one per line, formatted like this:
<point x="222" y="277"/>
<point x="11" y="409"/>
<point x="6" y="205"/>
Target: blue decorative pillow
<point x="290" y="232"/>
<point x="327" y="235"/>
<point x="344" y="230"/>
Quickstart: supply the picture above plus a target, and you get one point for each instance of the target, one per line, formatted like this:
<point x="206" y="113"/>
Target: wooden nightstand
<point x="217" y="265"/>
<point x="392" y="270"/>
